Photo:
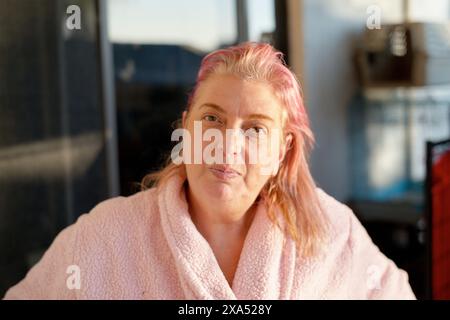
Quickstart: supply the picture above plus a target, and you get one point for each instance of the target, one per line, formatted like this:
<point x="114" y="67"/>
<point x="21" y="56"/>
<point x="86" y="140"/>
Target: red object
<point x="440" y="189"/>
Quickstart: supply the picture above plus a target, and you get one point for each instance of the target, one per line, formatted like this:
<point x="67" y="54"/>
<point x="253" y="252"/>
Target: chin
<point x="219" y="191"/>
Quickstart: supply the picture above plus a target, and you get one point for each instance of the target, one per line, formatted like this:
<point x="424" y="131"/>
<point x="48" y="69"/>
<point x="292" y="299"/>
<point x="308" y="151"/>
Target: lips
<point x="224" y="172"/>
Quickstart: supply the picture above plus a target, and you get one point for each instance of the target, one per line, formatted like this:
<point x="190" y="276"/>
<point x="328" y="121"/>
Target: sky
<point x="203" y="24"/>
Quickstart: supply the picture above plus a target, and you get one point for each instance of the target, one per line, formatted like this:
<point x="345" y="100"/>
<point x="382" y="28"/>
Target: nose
<point x="234" y="145"/>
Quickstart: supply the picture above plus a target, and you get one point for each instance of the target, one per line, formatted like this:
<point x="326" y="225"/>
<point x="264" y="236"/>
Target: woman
<point x="224" y="230"/>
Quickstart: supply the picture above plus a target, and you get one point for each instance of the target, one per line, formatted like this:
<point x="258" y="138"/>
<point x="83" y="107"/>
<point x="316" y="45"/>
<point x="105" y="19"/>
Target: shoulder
<point x="118" y="211"/>
<point x="110" y="235"/>
<point x="339" y="216"/>
<point x="345" y="229"/>
<point x="116" y="216"/>
<point x="353" y="260"/>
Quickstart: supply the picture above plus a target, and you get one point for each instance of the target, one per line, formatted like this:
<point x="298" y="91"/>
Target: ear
<point x="183" y="120"/>
<point x="287" y="145"/>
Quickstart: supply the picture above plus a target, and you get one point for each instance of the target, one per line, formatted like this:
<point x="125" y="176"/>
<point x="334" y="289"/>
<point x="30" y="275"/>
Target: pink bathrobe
<point x="146" y="247"/>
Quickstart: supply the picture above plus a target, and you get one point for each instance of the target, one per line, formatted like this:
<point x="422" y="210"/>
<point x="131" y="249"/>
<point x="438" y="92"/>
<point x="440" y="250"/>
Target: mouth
<point x="224" y="172"/>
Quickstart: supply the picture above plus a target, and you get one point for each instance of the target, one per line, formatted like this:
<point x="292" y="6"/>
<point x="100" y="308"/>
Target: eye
<point x="257" y="130"/>
<point x="260" y="129"/>
<point x="210" y="118"/>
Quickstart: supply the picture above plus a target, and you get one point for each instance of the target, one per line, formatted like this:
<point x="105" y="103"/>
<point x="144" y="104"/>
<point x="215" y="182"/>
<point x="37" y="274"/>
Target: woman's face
<point x="226" y="102"/>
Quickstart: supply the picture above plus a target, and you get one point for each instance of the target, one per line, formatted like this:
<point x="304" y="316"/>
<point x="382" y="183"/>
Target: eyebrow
<point x="221" y="110"/>
<point x="213" y="106"/>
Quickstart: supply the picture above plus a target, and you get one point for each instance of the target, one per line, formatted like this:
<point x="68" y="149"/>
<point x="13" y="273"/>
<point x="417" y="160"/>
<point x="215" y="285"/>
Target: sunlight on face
<point x="226" y="102"/>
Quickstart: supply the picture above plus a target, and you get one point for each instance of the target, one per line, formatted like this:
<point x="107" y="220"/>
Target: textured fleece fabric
<point x="146" y="247"/>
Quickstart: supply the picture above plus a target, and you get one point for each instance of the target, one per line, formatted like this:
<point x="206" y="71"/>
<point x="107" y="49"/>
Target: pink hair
<point x="292" y="190"/>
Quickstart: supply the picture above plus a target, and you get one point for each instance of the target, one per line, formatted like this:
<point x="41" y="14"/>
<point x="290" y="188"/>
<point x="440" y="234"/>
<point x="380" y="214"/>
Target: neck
<point x="219" y="224"/>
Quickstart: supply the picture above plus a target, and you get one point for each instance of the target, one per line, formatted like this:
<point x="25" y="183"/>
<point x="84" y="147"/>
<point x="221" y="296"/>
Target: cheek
<point x="262" y="159"/>
<point x="193" y="172"/>
<point x="255" y="178"/>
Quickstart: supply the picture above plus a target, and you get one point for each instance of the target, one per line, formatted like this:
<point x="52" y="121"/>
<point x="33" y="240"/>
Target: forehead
<point x="238" y="96"/>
